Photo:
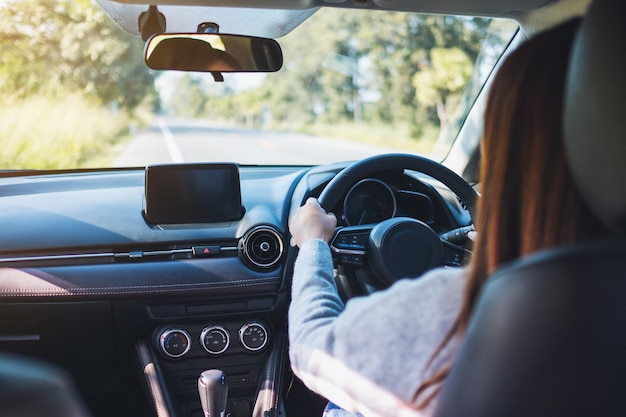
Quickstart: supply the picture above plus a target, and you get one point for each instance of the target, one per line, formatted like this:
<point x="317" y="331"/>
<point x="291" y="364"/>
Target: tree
<point x="76" y="48"/>
<point x="188" y="98"/>
<point x="441" y="81"/>
<point x="341" y="63"/>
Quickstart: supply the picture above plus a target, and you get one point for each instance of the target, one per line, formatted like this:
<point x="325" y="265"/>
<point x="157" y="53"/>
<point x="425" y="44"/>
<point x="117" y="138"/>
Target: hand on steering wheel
<point x="311" y="221"/>
<point x="400" y="247"/>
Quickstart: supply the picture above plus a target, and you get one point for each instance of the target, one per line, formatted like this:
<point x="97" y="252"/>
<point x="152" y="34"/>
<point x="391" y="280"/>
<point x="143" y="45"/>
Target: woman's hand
<point x="312" y="222"/>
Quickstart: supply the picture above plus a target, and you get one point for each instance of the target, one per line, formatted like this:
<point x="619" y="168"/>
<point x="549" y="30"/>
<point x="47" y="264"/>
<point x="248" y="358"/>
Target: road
<point x="170" y="140"/>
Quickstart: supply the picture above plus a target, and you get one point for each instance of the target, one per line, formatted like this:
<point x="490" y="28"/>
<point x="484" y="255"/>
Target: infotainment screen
<point x="192" y="193"/>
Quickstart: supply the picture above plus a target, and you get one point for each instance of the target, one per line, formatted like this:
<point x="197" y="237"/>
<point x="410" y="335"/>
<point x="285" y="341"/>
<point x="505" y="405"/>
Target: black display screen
<point x="192" y="193"/>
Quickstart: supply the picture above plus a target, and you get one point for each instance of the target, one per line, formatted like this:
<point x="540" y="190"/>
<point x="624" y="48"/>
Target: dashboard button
<point x="253" y="336"/>
<point x="205" y="251"/>
<point x="175" y="342"/>
<point x="215" y="339"/>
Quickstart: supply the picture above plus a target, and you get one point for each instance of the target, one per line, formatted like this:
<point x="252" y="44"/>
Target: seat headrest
<point x="595" y="111"/>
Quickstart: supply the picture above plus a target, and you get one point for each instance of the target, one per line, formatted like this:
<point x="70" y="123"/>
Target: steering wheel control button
<point x="355" y="241"/>
<point x="356" y="260"/>
<point x="215" y="339"/>
<point x="205" y="251"/>
<point x="175" y="343"/>
<point x="253" y="336"/>
<point x="350" y="240"/>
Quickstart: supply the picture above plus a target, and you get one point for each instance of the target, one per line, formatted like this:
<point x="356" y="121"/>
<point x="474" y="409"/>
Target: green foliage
<point x="440" y="83"/>
<point x="396" y="136"/>
<point x="52" y="47"/>
<point x="70" y="82"/>
<point x="187" y="98"/>
<point x="368" y="68"/>
<point x="69" y="132"/>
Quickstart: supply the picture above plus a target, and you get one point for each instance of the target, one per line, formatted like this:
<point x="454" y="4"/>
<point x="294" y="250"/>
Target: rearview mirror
<point x="210" y="52"/>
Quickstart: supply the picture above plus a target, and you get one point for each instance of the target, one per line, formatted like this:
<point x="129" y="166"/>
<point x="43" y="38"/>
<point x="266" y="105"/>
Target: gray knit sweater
<point x="371" y="354"/>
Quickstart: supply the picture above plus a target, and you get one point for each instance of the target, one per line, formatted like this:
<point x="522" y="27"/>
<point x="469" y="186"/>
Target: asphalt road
<point x="170" y="140"/>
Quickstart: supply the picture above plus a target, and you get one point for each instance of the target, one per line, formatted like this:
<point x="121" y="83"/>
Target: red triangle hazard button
<point x="205" y="250"/>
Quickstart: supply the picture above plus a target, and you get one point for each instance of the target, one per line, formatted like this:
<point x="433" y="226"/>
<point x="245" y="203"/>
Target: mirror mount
<point x="210" y="27"/>
<point x="151" y="22"/>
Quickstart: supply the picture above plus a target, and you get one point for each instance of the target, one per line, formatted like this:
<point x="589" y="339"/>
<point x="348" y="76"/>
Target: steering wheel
<point x="400" y="247"/>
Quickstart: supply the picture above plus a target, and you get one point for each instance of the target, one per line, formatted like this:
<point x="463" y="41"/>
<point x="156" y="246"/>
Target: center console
<point x="250" y="354"/>
<point x="231" y="340"/>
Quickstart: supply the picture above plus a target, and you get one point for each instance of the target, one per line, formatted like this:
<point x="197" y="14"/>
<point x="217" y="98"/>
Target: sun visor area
<point x="487" y="8"/>
<point x="269" y="23"/>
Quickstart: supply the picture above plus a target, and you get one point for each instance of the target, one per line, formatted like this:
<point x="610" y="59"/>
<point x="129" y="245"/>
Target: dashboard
<point x="136" y="310"/>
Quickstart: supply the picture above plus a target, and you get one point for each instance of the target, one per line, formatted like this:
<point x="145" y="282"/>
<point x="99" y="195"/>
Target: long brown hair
<point x="528" y="201"/>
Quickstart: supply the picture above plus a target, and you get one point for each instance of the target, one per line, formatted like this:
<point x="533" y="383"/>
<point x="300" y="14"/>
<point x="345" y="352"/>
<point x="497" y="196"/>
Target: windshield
<point x="75" y="92"/>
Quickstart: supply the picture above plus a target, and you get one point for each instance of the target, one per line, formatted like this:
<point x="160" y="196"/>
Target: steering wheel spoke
<point x="399" y="247"/>
<point x="455" y="255"/>
<point x="349" y="245"/>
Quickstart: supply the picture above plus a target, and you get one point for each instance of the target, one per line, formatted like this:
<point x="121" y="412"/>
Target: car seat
<point x="33" y="388"/>
<point x="548" y="335"/>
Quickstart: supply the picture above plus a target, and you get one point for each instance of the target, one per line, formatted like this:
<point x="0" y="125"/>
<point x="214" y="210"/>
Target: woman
<point x="389" y="353"/>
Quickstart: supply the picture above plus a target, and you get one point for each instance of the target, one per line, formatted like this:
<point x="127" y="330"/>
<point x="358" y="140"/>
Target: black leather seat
<point x="31" y="388"/>
<point x="548" y="336"/>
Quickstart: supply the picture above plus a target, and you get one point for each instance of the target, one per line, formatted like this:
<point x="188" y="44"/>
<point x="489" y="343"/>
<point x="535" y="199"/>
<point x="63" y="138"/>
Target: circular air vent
<point x="261" y="247"/>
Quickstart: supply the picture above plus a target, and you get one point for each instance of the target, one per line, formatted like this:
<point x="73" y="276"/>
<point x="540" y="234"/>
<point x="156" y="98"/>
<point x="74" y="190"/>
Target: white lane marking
<point x="170" y="142"/>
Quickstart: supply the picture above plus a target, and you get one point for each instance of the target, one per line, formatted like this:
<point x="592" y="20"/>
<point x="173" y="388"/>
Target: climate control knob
<point x="215" y="339"/>
<point x="253" y="336"/>
<point x="175" y="342"/>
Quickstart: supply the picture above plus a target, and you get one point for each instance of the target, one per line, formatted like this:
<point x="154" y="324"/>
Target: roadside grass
<point x="396" y="137"/>
<point x="73" y="132"/>
<point x="70" y="132"/>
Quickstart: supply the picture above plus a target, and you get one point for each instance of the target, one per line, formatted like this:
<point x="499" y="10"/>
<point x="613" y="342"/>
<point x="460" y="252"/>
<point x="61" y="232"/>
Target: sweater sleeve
<point x="371" y="354"/>
<point x="315" y="301"/>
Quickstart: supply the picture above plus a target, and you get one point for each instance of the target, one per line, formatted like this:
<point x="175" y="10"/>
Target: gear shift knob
<point x="213" y="390"/>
